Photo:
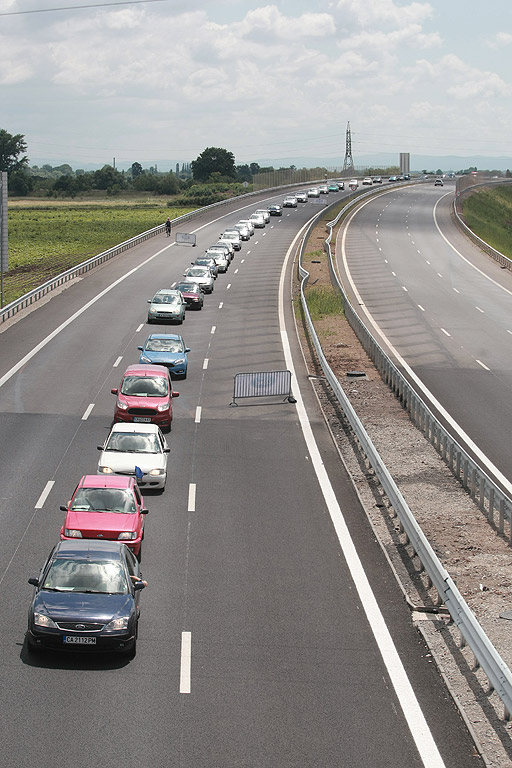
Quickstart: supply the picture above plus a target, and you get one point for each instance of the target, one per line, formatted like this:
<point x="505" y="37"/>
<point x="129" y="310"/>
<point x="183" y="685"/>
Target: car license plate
<point x="78" y="640"/>
<point x="145" y="419"/>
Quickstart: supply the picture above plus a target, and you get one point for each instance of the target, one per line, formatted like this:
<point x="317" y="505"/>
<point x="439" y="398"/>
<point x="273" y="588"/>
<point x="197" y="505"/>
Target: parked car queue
<point x="86" y="596"/>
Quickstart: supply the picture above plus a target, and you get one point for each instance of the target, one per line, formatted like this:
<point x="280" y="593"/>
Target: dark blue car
<point x="166" y="349"/>
<point x="86" y="598"/>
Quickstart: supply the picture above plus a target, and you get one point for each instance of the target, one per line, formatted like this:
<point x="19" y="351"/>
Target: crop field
<point x="488" y="212"/>
<point x="46" y="238"/>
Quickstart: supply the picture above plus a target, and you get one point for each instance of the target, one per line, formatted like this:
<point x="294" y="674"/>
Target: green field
<point x="488" y="213"/>
<point x="48" y="238"/>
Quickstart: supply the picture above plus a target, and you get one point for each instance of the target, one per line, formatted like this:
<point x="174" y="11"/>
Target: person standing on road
<point x="168" y="227"/>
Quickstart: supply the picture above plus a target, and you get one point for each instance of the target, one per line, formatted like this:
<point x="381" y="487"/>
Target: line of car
<point x="86" y="597"/>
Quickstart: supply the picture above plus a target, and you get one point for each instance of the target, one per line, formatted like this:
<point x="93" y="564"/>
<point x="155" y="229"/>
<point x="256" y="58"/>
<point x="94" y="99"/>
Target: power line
<point x="77" y="7"/>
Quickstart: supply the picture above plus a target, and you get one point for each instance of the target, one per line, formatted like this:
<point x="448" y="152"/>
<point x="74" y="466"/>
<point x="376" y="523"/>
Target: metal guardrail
<point x="487" y="657"/>
<point x="503" y="260"/>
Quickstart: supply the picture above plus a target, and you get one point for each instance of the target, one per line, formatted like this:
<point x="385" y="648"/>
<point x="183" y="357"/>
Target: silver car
<point x="224" y="247"/>
<point x="220" y="258"/>
<point x="264" y="212"/>
<point x="232" y="236"/>
<point x="257" y="220"/>
<point x="166" y="304"/>
<point x="200" y="275"/>
<point x="132" y="447"/>
<point x="248" y="224"/>
<point x="244" y="231"/>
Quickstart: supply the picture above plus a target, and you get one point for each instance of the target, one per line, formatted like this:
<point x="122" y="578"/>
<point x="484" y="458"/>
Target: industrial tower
<point x="348" y="164"/>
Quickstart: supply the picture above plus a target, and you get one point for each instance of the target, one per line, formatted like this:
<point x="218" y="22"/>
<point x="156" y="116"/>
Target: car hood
<point x="126" y="462"/>
<point x="111" y="522"/>
<point x="134" y="401"/>
<point x="171" y="309"/>
<point x="69" y="606"/>
<point x="162" y="358"/>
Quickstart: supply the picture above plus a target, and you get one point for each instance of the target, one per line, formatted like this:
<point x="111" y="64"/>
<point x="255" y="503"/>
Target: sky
<point x="158" y="81"/>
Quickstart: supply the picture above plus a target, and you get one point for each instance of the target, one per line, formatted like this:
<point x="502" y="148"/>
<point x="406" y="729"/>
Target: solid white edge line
<point x="46" y="491"/>
<point x="191" y="504"/>
<point x="197" y="418"/>
<point x="419" y="383"/>
<point x="185" y="662"/>
<point x="412" y="711"/>
<point x="87" y="411"/>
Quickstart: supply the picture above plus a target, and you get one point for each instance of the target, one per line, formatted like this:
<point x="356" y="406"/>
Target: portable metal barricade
<point x="263" y="384"/>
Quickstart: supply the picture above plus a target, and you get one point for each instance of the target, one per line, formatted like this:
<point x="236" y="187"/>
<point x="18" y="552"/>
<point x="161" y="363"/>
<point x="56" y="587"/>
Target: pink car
<point x="145" y="395"/>
<point x="109" y="507"/>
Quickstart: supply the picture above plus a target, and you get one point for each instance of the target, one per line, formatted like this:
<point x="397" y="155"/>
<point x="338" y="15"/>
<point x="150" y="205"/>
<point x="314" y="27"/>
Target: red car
<point x="145" y="395"/>
<point x="106" y="507"/>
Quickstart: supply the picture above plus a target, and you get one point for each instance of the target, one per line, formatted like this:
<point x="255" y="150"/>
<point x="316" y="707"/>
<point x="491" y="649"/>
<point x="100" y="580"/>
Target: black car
<point x="275" y="210"/>
<point x="86" y="598"/>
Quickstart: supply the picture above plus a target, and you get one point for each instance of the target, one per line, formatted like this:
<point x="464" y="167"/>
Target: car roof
<point x="173" y="336"/>
<point x="146" y="370"/>
<point x="99" y="549"/>
<point x="166" y="290"/>
<point x="106" y="481"/>
<point x="135" y="427"/>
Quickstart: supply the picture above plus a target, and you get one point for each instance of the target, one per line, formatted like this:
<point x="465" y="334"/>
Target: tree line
<point x="214" y="166"/>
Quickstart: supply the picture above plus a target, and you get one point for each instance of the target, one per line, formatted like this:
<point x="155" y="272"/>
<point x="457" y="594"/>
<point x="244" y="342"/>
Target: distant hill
<point x="384" y="160"/>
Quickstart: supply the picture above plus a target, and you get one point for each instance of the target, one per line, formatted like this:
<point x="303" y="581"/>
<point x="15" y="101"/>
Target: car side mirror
<point x="138" y="585"/>
<point x="63" y="508"/>
<point x="167" y="450"/>
<point x="187" y="349"/>
<point x="144" y="511"/>
<point x="149" y="301"/>
<point x="141" y="348"/>
<point x="34" y="582"/>
<point x="99" y="447"/>
<point x="175" y="394"/>
<point x="114" y="391"/>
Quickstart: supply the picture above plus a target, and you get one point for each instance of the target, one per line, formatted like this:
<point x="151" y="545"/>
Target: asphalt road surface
<point x="443" y="308"/>
<point x="263" y="641"/>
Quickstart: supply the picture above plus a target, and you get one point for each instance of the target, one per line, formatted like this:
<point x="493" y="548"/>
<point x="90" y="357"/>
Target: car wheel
<point x="131" y="652"/>
<point x="33" y="647"/>
<point x="139" y="553"/>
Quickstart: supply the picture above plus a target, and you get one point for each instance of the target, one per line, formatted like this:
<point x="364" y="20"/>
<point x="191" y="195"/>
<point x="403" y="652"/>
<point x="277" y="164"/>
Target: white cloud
<point x="378" y="13"/>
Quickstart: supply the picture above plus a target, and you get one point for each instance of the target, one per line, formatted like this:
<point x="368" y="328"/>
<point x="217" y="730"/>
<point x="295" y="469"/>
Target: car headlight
<point x="152" y="311"/>
<point x="105" y="470"/>
<point x="145" y="359"/>
<point x="163" y="407"/>
<point x="42" y="620"/>
<point x="179" y="361"/>
<point x="122" y="405"/>
<point x="127" y="535"/>
<point x="117" y="624"/>
<point x="72" y="533"/>
<point x="155" y="472"/>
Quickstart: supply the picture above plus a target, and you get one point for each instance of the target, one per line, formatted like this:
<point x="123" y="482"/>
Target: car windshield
<point x="145" y="386"/>
<point x="197" y="272"/>
<point x="133" y="442"/>
<point x="164" y="345"/>
<point x="165" y="298"/>
<point x="86" y="576"/>
<point x="115" y="500"/>
<point x="187" y="288"/>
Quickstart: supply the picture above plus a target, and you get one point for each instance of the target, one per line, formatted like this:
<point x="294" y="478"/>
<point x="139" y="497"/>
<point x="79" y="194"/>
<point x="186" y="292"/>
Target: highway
<point x="442" y="308"/>
<point x="263" y="641"/>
